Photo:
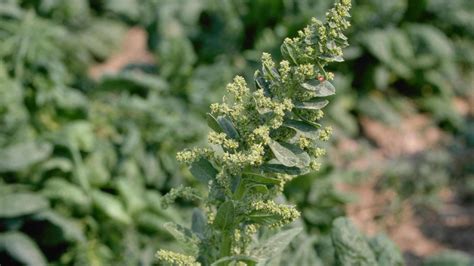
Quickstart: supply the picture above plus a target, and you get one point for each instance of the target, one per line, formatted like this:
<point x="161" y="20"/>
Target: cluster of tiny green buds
<point x="179" y="192"/>
<point x="173" y="258"/>
<point x="285" y="71"/>
<point x="319" y="152"/>
<point x="315" y="165"/>
<point x="221" y="139"/>
<point x="286" y="213"/>
<point x="325" y="134"/>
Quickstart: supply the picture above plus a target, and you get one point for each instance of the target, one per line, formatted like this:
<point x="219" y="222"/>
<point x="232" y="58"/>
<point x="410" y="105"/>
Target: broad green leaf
<point x="264" y="218"/>
<point x="198" y="223"/>
<point x="304" y="128"/>
<point x="96" y="168"/>
<point x="431" y="40"/>
<point x="80" y="135"/>
<point x="270" y="73"/>
<point x="322" y="89"/>
<point x="189" y="241"/>
<point x="302" y="252"/>
<point x="274" y="245"/>
<point x="261" y="83"/>
<point x="314" y="104"/>
<point x="212" y="123"/>
<point x="301" y="154"/>
<point x="203" y="170"/>
<point x="254" y="183"/>
<point x="22" y="155"/>
<point x="69" y="228"/>
<point x="21" y="248"/>
<point x="225" y="216"/>
<point x="257" y="188"/>
<point x="21" y="203"/>
<point x="289" y="154"/>
<point x="132" y="194"/>
<point x="386" y="252"/>
<point x="288" y="52"/>
<point x="256" y="178"/>
<point x="351" y="246"/>
<point x="281" y="169"/>
<point x="250" y="261"/>
<point x="150" y="222"/>
<point x="284" y="155"/>
<point x="228" y="127"/>
<point x="336" y="58"/>
<point x="110" y="206"/>
<point x="66" y="192"/>
<point x="133" y="81"/>
<point x="392" y="47"/>
<point x="449" y="258"/>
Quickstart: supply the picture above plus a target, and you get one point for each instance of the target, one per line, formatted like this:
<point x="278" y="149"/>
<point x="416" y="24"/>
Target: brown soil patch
<point x="133" y="50"/>
<point x="414" y="134"/>
<point x="404" y="228"/>
<point x="417" y="234"/>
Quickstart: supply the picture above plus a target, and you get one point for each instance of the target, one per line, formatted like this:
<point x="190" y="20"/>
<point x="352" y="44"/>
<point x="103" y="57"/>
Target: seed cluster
<point x="264" y="136"/>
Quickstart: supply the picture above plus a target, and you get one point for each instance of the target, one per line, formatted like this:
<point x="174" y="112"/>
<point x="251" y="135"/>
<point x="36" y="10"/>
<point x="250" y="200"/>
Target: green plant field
<point x="244" y="132"/>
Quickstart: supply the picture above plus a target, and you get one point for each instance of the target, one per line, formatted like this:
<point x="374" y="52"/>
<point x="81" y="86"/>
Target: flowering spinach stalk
<point x="261" y="138"/>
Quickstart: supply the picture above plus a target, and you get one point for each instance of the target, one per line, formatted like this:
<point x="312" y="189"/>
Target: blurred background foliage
<point x="84" y="160"/>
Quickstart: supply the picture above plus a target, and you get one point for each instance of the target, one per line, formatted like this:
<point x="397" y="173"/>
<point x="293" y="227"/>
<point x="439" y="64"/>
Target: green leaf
<point x="302" y="252"/>
<point x="282" y="169"/>
<point x="22" y="203"/>
<point x="336" y="58"/>
<point x="261" y="83"/>
<point x="288" y="52"/>
<point x="110" y="206"/>
<point x="284" y="155"/>
<point x="257" y="188"/>
<point x="203" y="170"/>
<point x="386" y="252"/>
<point x="263" y="218"/>
<point x="22" y="155"/>
<point x="71" y="231"/>
<point x="21" y="248"/>
<point x="66" y="192"/>
<point x="80" y="134"/>
<point x="185" y="236"/>
<point x="303" y="128"/>
<point x="228" y="127"/>
<point x="270" y="73"/>
<point x="351" y="246"/>
<point x="133" y="81"/>
<point x="449" y="258"/>
<point x="225" y="216"/>
<point x="274" y="245"/>
<point x="313" y="104"/>
<point x="301" y="154"/>
<point x="131" y="192"/>
<point x="322" y="89"/>
<point x="289" y="154"/>
<point x="150" y="222"/>
<point x="254" y="183"/>
<point x="198" y="223"/>
<point x="250" y="261"/>
<point x="212" y="123"/>
<point x="256" y="178"/>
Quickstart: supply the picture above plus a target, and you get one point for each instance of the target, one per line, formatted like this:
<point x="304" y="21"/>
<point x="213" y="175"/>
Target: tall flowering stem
<point x="261" y="137"/>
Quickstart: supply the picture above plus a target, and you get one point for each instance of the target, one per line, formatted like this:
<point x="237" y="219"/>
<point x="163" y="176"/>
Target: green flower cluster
<point x="263" y="137"/>
<point x="173" y="258"/>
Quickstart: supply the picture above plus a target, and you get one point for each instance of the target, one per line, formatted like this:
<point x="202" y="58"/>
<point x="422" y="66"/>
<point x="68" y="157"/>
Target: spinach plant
<point x="259" y="140"/>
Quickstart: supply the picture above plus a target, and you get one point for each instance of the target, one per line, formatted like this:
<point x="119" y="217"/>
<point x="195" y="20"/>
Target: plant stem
<point x="226" y="243"/>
